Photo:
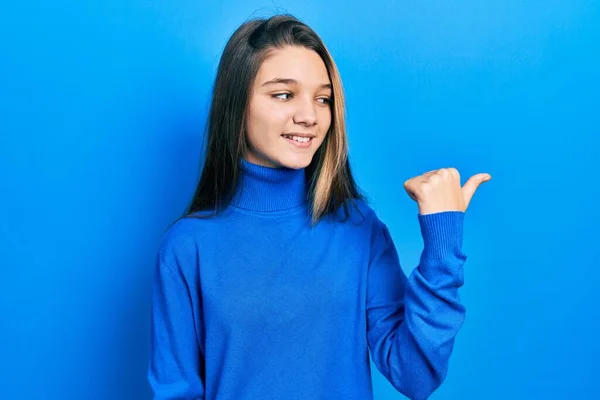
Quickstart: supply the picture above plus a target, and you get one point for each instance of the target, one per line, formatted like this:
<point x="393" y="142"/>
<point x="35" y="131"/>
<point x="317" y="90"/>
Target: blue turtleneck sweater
<point x="255" y="304"/>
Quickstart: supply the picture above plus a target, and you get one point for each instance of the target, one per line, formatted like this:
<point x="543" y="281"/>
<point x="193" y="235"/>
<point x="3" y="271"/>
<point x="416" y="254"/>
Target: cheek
<point x="325" y="120"/>
<point x="278" y="117"/>
<point x="267" y="119"/>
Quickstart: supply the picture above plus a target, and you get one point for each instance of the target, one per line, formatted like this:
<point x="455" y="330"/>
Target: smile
<point x="298" y="141"/>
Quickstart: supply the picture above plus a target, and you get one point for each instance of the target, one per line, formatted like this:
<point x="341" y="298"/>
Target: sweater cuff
<point x="442" y="234"/>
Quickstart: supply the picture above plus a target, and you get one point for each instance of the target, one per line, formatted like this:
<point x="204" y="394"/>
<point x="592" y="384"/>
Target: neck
<point x="265" y="189"/>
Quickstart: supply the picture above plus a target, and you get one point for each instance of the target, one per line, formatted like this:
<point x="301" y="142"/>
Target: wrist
<point x="442" y="233"/>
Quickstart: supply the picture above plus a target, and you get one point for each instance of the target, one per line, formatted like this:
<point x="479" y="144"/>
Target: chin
<point x="296" y="162"/>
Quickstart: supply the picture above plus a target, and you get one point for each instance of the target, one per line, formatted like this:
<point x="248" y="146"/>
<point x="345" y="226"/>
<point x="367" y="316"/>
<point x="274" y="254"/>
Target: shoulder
<point x="196" y="226"/>
<point x="180" y="241"/>
<point x="359" y="212"/>
<point x="363" y="207"/>
<point x="178" y="250"/>
<point x="176" y="243"/>
<point x="358" y="216"/>
<point x="193" y="226"/>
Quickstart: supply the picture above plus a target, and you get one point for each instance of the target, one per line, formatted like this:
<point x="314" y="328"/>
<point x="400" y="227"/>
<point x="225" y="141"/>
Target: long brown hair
<point x="331" y="183"/>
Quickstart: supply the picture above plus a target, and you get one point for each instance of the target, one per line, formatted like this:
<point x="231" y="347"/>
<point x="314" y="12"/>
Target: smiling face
<point x="289" y="112"/>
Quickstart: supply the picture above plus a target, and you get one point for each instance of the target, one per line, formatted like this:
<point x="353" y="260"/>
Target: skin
<point x="288" y="107"/>
<point x="302" y="106"/>
<point x="439" y="190"/>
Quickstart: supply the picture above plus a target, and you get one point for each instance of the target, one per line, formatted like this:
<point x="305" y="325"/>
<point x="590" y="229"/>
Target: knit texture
<point x="257" y="304"/>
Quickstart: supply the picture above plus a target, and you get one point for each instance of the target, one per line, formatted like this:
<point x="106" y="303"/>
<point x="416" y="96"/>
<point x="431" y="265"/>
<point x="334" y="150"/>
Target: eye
<point x="277" y="96"/>
<point x="326" y="100"/>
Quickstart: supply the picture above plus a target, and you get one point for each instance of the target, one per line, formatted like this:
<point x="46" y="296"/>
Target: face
<point x="289" y="112"/>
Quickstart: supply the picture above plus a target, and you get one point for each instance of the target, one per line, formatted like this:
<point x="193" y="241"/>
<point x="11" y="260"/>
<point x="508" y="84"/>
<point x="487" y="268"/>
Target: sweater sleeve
<point x="412" y="322"/>
<point x="176" y="367"/>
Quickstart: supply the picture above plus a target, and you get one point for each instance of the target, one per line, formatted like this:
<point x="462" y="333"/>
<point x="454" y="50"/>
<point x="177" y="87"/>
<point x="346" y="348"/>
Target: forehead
<point x="299" y="63"/>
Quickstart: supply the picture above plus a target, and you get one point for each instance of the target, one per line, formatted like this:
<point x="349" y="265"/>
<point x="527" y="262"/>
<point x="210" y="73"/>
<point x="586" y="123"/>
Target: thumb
<point x="472" y="184"/>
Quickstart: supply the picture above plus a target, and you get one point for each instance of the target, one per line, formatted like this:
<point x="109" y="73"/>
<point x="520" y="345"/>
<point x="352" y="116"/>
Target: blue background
<point x="102" y="106"/>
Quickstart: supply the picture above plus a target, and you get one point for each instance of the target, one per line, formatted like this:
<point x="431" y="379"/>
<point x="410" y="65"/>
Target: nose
<point x="305" y="112"/>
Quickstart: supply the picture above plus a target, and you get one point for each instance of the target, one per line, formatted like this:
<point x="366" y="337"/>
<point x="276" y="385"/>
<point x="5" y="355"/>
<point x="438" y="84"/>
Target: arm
<point x="412" y="322"/>
<point x="176" y="367"/>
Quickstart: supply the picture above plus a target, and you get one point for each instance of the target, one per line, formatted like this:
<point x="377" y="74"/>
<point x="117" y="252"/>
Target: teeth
<point x="299" y="139"/>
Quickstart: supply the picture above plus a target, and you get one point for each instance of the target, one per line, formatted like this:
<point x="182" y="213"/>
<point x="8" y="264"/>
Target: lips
<point x="299" y="141"/>
<point x="299" y="134"/>
<point x="297" y="138"/>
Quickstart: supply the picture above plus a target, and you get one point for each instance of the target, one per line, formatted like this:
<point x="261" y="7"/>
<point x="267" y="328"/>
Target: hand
<point x="439" y="190"/>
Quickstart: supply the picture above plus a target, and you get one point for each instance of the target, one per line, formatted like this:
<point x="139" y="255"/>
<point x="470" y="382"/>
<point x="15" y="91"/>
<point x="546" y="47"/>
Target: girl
<point x="281" y="280"/>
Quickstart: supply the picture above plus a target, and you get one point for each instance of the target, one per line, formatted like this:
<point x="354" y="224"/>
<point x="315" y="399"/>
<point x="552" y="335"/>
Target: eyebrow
<point x="289" y="81"/>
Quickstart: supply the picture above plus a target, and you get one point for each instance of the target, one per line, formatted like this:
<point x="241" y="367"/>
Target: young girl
<point x="280" y="278"/>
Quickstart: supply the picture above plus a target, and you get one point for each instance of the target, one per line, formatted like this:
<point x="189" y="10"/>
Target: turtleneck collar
<point x="267" y="189"/>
